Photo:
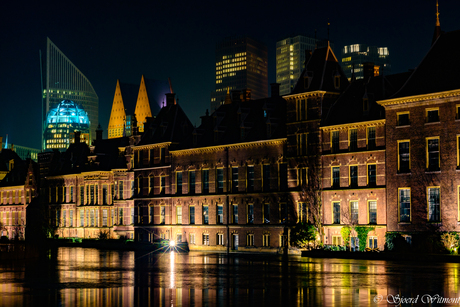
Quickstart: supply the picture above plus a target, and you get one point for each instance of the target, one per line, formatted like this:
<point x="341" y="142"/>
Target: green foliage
<point x="103" y="235"/>
<point x="302" y="234"/>
<point x="335" y="248"/>
<point x="346" y="232"/>
<point x="450" y="241"/>
<point x="390" y="239"/>
<point x="362" y="232"/>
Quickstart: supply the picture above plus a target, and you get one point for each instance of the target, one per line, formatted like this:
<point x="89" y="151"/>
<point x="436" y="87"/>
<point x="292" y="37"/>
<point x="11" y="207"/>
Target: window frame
<point x="429" y="167"/>
<point x="399" y="157"/>
<point x="371" y="145"/>
<point x="354" y="215"/>
<point x="334" y="212"/>
<point x="350" y="181"/>
<point x="351" y="132"/>
<point x="399" y="205"/>
<point x="427" y="117"/>
<point x="399" y="121"/>
<point x="369" y="212"/>
<point x="332" y="177"/>
<point x="368" y="175"/>
<point x="438" y="205"/>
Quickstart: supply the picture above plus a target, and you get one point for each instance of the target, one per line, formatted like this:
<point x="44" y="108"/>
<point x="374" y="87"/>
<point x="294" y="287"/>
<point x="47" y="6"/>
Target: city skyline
<point x="111" y="45"/>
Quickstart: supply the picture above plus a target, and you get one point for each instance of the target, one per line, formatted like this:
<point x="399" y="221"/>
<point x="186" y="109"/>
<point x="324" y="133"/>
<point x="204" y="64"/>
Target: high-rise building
<point x="241" y="63"/>
<point x="353" y="57"/>
<point x="290" y="60"/>
<point x="62" y="81"/>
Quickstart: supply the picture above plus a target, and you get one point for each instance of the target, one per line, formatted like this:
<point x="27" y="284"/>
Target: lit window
<point x="404" y="204"/>
<point x="372" y="212"/>
<point x="434" y="205"/>
<point x="432" y="154"/>
<point x="354" y="212"/>
<point x="336" y="212"/>
<point x="403" y="156"/>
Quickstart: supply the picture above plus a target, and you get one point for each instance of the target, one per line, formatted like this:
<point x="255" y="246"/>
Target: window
<point x="353" y="137"/>
<point x="372" y="212"/>
<point x="371" y="138"/>
<point x="250" y="177"/>
<point x="303" y="218"/>
<point x="104" y="194"/>
<point x="205" y="239"/>
<point x="335" y="145"/>
<point x="266" y="213"/>
<point x="120" y="216"/>
<point x="434" y="207"/>
<point x="162" y="155"/>
<point x="64" y="218"/>
<point x="179" y="238"/>
<point x="335" y="176"/>
<point x="301" y="144"/>
<point x="132" y="216"/>
<point x="71" y="194"/>
<point x="457" y="115"/>
<point x="162" y="215"/>
<point x="354" y="212"/>
<point x="353" y="175"/>
<point x="104" y="217"/>
<point x="266" y="240"/>
<point x="191" y="182"/>
<point x="404" y="205"/>
<point x="403" y="119"/>
<point x="432" y="154"/>
<point x="120" y="189"/>
<point x="220" y="239"/>
<point x="192" y="238"/>
<point x="151" y="184"/>
<point x="205" y="181"/>
<point x="92" y="217"/>
<point x="235" y="214"/>
<point x="250" y="214"/>
<point x="302" y="176"/>
<point x="372" y="242"/>
<point x="178" y="183"/>
<point x="220" y="214"/>
<point x="220" y="180"/>
<point x="192" y="214"/>
<point x="151" y="214"/>
<point x="162" y="185"/>
<point x="82" y="196"/>
<point x="336" y="240"/>
<point x="266" y="177"/>
<point x="403" y="156"/>
<point x="283" y="213"/>
<point x="336" y="212"/>
<point x="250" y="239"/>
<point x="371" y="175"/>
<point x="234" y="179"/>
<point x="82" y="218"/>
<point x="432" y="115"/>
<point x="205" y="215"/>
<point x="283" y="180"/>
<point x="178" y="215"/>
<point x="92" y="194"/>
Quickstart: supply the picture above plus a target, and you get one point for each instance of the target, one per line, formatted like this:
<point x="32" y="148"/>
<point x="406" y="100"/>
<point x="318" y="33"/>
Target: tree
<point x="303" y="234"/>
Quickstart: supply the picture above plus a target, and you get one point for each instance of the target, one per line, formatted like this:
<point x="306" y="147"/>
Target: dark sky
<point x="110" y="40"/>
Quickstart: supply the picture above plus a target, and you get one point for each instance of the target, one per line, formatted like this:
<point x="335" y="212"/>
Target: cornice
<point x="307" y="94"/>
<point x="419" y="98"/>
<point x="149" y="146"/>
<point x="209" y="149"/>
<point x="379" y="122"/>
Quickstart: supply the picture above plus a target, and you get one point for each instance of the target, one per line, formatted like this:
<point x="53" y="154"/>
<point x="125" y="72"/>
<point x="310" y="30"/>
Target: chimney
<point x="77" y="137"/>
<point x="275" y="89"/>
<point x="368" y="71"/>
<point x="170" y="99"/>
<point x="307" y="57"/>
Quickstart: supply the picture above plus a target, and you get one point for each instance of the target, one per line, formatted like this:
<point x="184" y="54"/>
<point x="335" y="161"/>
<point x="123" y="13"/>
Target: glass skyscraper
<point x="62" y="80"/>
<point x="241" y="63"/>
<point x="353" y="57"/>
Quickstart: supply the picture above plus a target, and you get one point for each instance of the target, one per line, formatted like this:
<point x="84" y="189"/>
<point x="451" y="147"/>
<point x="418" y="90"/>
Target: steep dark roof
<point x="321" y="67"/>
<point x="349" y="108"/>
<point x="129" y="94"/>
<point x="18" y="174"/>
<point x="438" y="71"/>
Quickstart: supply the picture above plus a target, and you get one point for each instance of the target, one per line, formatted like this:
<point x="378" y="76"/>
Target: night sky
<point x="110" y="40"/>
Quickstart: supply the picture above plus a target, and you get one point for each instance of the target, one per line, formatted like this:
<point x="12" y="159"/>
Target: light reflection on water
<point x="90" y="277"/>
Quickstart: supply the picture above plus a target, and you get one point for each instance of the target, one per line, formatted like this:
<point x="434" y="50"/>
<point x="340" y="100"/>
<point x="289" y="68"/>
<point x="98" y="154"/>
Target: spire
<point x="437" y="28"/>
<point x="328" y="25"/>
<point x="228" y="99"/>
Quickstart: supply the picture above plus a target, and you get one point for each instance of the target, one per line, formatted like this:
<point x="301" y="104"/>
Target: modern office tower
<point x="353" y="57"/>
<point x="62" y="123"/>
<point x="241" y="63"/>
<point x="133" y="104"/>
<point x="290" y="60"/>
<point x="62" y="81"/>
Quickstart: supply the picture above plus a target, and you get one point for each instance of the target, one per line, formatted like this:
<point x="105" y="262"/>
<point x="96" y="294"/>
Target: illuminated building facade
<point x="290" y="60"/>
<point x="133" y="104"/>
<point x="62" y="122"/>
<point x="241" y="63"/>
<point x="354" y="56"/>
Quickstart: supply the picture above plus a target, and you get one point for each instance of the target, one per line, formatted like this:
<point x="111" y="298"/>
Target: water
<point x="91" y="277"/>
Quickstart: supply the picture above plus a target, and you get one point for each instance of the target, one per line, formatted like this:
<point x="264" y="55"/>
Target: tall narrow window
<point x="336" y="212"/>
<point x="104" y="217"/>
<point x="120" y="189"/>
<point x="434" y="206"/>
<point x="250" y="177"/>
<point x="151" y="184"/>
<point x="82" y="218"/>
<point x="354" y="212"/>
<point x="353" y="176"/>
<point x="283" y="213"/>
<point x="372" y="212"/>
<point x="205" y="181"/>
<point x="162" y="185"/>
<point x="120" y="216"/>
<point x="151" y="214"/>
<point x="162" y="155"/>
<point x="303" y="218"/>
<point x="302" y="144"/>
<point x="266" y="239"/>
<point x="234" y="179"/>
<point x="192" y="214"/>
<point x="266" y="177"/>
<point x="132" y="216"/>
<point x="191" y="182"/>
<point x="371" y="138"/>
<point x="302" y="176"/>
<point x="220" y="180"/>
<point x="205" y="239"/>
<point x="162" y="215"/>
<point x="235" y="214"/>
<point x="104" y="194"/>
<point x="353" y="139"/>
<point x="250" y="213"/>
<point x="179" y="215"/>
<point x="71" y="218"/>
<point x="283" y="180"/>
<point x="266" y="213"/>
<point x="432" y="154"/>
<point x="371" y="175"/>
<point x="220" y="214"/>
<point x="336" y="177"/>
<point x="179" y="183"/>
<point x="403" y="156"/>
<point x="82" y="195"/>
<point x="250" y="239"/>
<point x="335" y="145"/>
<point x="205" y="215"/>
<point x="71" y="194"/>
<point x="404" y="205"/>
<point x="92" y="194"/>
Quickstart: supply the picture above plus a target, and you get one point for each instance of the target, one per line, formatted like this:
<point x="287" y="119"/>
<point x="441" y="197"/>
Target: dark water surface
<point x="91" y="277"/>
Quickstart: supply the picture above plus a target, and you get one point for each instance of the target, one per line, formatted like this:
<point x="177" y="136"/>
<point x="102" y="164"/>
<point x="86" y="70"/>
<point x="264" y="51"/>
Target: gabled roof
<point x="18" y="174"/>
<point x="322" y="67"/>
<point x="438" y="71"/>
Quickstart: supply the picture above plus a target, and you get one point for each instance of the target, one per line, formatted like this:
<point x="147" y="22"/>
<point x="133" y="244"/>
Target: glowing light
<point x="172" y="243"/>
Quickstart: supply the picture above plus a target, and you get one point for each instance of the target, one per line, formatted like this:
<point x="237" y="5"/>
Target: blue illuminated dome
<point x="61" y="123"/>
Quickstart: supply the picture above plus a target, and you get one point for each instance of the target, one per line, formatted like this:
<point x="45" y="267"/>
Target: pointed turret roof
<point x="437" y="28"/>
